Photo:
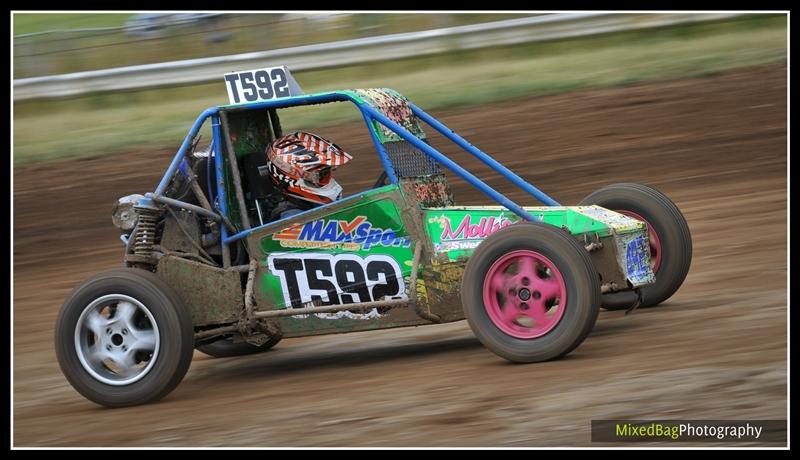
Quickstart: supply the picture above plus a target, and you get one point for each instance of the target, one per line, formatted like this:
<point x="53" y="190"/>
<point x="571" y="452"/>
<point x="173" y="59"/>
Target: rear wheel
<point x="226" y="347"/>
<point x="670" y="240"/>
<point x="123" y="338"/>
<point x="530" y="293"/>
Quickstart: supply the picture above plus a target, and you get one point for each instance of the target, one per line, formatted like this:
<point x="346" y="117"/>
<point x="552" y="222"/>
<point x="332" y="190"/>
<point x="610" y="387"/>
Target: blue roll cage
<point x="369" y="114"/>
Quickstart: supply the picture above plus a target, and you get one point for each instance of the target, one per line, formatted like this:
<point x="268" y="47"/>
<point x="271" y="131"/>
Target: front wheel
<point x="124" y="338"/>
<point x="530" y="293"/>
<point x="670" y="240"/>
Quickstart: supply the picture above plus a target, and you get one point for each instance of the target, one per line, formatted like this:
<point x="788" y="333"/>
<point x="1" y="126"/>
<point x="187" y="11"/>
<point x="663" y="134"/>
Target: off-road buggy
<point x="206" y="269"/>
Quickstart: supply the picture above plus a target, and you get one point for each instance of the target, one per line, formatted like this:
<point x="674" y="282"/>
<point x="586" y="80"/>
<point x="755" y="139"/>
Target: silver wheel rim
<point x="117" y="340"/>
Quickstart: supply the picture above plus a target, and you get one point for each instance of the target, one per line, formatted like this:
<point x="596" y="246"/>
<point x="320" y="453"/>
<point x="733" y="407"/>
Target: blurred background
<point x="460" y="69"/>
<point x="692" y="104"/>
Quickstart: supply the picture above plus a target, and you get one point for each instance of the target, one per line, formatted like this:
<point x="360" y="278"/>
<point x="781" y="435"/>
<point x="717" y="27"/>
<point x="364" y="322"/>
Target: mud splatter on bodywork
<point x="395" y="106"/>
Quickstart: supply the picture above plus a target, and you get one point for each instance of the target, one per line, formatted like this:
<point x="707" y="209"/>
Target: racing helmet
<point x="301" y="164"/>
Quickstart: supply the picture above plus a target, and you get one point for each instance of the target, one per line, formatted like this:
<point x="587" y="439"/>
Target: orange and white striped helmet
<point x="301" y="163"/>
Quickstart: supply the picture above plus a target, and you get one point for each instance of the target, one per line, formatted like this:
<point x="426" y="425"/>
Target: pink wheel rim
<point x="524" y="294"/>
<point x="655" y="241"/>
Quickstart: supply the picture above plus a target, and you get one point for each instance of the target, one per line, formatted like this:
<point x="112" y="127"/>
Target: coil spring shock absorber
<point x="145" y="237"/>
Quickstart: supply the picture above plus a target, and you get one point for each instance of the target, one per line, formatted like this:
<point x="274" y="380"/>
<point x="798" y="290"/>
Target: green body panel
<point x="366" y="241"/>
<point x="455" y="232"/>
<point x="250" y="131"/>
<point x="234" y="215"/>
<point x="361" y="249"/>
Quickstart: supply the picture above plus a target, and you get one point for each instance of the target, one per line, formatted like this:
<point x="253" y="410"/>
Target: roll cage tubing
<point x="369" y="114"/>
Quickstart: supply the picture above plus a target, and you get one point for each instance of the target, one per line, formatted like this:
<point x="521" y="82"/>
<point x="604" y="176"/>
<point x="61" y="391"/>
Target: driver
<point x="300" y="165"/>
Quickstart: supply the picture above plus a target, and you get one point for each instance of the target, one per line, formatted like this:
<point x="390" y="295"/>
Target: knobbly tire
<point x="530" y="293"/>
<point x="226" y="347"/>
<point x="670" y="240"/>
<point x="124" y="338"/>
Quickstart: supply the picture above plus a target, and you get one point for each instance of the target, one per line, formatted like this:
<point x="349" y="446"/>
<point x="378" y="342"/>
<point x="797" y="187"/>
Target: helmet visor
<point x="318" y="176"/>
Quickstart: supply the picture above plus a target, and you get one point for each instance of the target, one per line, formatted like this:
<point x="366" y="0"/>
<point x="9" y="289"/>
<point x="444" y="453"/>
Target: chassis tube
<point x="449" y="164"/>
<point x="221" y="194"/>
<point x="403" y="133"/>
<point x="329" y="308"/>
<point x="162" y="186"/>
<point x="237" y="179"/>
<point x="387" y="165"/>
<point x="486" y="159"/>
<point x="181" y="204"/>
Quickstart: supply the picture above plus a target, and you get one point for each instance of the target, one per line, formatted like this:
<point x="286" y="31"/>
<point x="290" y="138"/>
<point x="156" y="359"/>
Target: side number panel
<point x="326" y="279"/>
<point x="360" y="251"/>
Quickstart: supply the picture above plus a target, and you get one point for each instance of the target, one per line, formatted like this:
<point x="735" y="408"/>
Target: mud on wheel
<point x="124" y="338"/>
<point x="530" y="293"/>
<point x="670" y="240"/>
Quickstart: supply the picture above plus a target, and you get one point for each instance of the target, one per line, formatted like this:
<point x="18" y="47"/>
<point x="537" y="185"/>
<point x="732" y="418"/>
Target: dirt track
<point x="716" y="350"/>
